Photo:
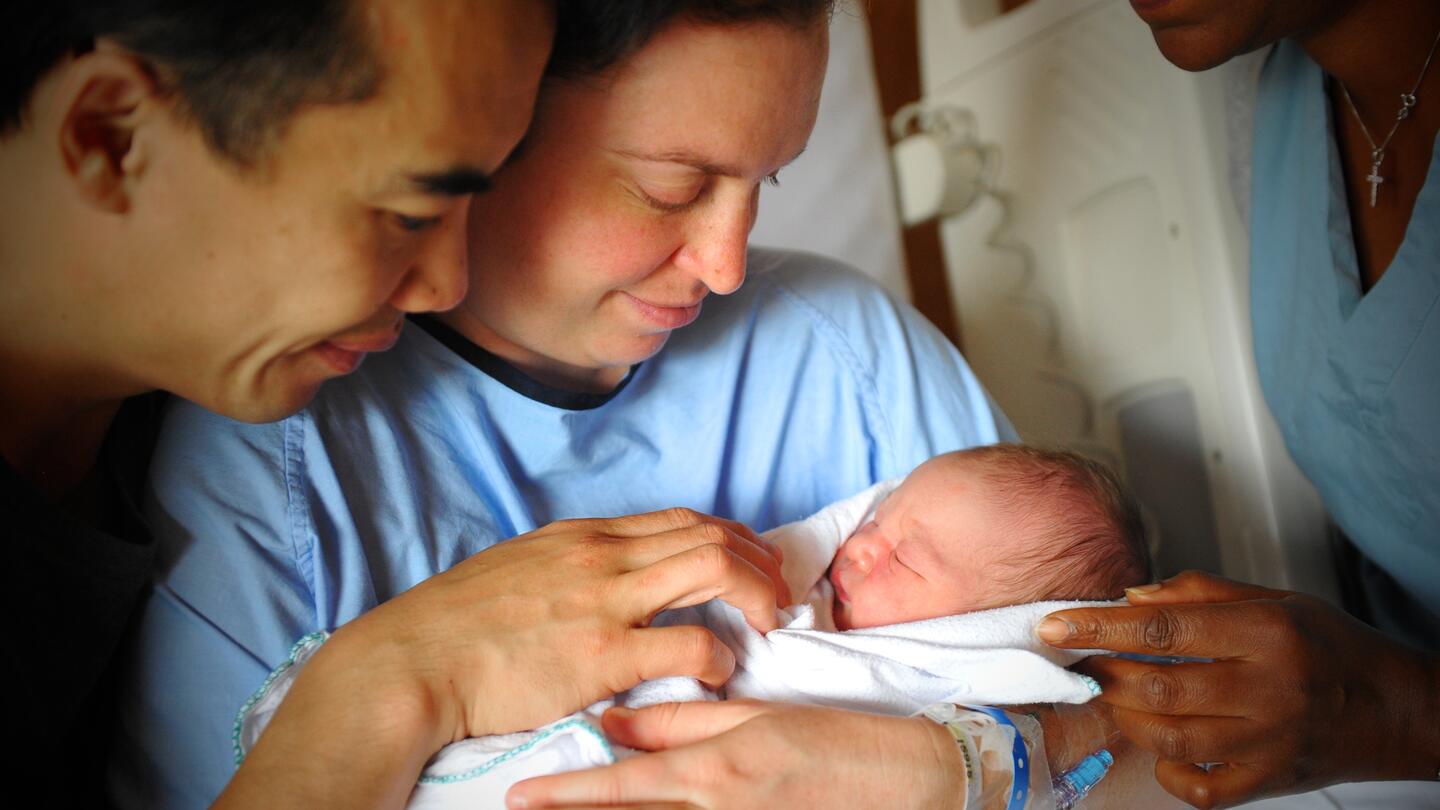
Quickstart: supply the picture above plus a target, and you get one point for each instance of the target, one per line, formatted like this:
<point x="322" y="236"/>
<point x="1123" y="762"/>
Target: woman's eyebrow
<point x="695" y="161"/>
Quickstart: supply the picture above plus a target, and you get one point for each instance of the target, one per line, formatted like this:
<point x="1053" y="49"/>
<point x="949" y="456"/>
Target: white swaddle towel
<point x="989" y="657"/>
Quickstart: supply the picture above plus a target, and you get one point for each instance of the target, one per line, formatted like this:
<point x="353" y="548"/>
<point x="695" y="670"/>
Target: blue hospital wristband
<point x="955" y="720"/>
<point x="1020" y="782"/>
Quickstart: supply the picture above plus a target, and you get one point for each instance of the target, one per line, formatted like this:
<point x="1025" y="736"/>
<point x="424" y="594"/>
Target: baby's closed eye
<point x="900" y="561"/>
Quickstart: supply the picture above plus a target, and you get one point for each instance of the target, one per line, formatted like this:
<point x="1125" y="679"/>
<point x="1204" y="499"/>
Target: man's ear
<point x="110" y="94"/>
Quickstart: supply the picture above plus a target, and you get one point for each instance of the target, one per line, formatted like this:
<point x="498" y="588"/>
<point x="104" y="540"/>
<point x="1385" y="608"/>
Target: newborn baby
<point x="989" y="527"/>
<point x="935" y="560"/>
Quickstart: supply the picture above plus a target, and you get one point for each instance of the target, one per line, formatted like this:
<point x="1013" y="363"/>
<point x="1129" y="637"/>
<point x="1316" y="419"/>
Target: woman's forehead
<point x="741" y="97"/>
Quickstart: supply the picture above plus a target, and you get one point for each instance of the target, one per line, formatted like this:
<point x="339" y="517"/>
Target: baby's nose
<point x="855" y="555"/>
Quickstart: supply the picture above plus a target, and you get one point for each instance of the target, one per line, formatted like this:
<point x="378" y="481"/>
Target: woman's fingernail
<point x="515" y="802"/>
<point x="1052" y="630"/>
<point x="621" y="712"/>
<point x="1141" y="590"/>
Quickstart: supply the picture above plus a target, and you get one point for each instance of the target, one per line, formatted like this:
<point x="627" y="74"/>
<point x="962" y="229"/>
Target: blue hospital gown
<point x="1353" y="380"/>
<point x="807" y="385"/>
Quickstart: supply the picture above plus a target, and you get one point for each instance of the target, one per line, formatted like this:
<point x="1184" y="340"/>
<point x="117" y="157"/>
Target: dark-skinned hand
<point x="1296" y="695"/>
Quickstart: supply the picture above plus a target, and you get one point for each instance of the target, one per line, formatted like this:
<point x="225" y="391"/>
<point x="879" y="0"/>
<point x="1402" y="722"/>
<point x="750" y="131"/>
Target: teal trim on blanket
<point x="481" y="770"/>
<point x="295" y="650"/>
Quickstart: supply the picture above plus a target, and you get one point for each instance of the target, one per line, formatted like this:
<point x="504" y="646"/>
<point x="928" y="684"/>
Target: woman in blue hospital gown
<point x="1345" y="303"/>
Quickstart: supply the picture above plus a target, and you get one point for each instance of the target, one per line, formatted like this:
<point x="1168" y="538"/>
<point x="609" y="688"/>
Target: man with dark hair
<point x="241" y="71"/>
<point x="234" y="202"/>
<point x="229" y="201"/>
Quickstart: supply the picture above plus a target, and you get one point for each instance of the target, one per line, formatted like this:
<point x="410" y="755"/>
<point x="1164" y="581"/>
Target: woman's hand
<point x="551" y="621"/>
<point x="1297" y="695"/>
<point x="512" y="638"/>
<point x="747" y="754"/>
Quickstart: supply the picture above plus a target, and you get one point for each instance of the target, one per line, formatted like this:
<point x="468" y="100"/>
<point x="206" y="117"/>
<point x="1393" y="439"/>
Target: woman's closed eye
<point x="667" y="191"/>
<point x="679" y="195"/>
<point x="660" y="203"/>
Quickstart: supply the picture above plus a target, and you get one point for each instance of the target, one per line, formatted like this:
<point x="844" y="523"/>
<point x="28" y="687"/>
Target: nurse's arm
<point x="1297" y="694"/>
<point x="523" y="633"/>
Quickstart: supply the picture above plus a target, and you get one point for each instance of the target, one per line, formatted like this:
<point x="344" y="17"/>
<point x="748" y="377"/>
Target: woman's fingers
<point x="750" y="534"/>
<point x="603" y="787"/>
<point x="1218" y="785"/>
<point x="699" y="574"/>
<point x="661" y="777"/>
<point x="1223" y="630"/>
<point x="684" y="650"/>
<point x="1198" y="586"/>
<point x="669" y="520"/>
<point x="1218" y="689"/>
<point x="667" y="725"/>
<point x="640" y="552"/>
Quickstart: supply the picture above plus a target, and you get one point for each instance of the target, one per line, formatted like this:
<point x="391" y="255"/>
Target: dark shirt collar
<point x="513" y="378"/>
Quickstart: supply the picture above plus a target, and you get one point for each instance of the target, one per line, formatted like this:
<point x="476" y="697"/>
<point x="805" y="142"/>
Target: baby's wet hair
<point x="1087" y="539"/>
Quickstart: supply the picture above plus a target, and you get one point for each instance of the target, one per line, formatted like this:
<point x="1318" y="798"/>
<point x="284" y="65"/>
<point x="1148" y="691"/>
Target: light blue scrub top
<point x="1354" y="380"/>
<point x="807" y="385"/>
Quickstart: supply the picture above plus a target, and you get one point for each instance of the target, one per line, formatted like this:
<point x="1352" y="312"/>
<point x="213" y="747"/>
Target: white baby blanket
<point x="990" y="657"/>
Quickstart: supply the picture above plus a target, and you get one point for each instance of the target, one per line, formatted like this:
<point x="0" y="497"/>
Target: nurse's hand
<point x="512" y="638"/>
<point x="1298" y="695"/>
<point x="746" y="754"/>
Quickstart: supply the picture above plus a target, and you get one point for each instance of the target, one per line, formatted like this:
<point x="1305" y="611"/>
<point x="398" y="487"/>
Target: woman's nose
<point x="439" y="273"/>
<point x="718" y="242"/>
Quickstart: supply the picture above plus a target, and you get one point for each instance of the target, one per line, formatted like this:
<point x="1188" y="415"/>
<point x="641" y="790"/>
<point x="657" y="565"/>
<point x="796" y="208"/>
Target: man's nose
<point x="439" y="273"/>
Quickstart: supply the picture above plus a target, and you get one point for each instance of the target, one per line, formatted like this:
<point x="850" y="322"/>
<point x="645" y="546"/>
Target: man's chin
<point x="268" y="404"/>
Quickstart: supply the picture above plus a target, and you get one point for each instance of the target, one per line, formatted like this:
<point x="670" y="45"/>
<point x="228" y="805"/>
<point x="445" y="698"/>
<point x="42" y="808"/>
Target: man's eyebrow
<point x="695" y="161"/>
<point x="456" y="182"/>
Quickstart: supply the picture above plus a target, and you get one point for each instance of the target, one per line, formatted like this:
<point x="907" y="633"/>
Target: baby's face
<point x="932" y="550"/>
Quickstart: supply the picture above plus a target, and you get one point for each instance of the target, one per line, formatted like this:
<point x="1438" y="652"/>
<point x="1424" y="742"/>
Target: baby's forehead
<point x="937" y="483"/>
<point x="946" y="506"/>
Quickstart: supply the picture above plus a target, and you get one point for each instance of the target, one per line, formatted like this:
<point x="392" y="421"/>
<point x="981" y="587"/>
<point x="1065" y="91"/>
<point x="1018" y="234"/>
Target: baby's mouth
<point x="839" y="589"/>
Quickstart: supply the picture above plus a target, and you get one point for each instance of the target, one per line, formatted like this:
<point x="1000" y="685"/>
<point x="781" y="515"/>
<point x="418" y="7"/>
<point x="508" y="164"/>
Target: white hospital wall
<point x="1115" y="319"/>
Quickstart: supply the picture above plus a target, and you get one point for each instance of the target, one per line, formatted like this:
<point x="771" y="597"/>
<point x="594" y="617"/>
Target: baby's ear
<point x="108" y="95"/>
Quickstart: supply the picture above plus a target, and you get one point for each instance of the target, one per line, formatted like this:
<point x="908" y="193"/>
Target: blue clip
<point x="1076" y="783"/>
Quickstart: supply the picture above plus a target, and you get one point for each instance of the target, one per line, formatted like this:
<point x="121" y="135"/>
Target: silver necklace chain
<point x="1407" y="103"/>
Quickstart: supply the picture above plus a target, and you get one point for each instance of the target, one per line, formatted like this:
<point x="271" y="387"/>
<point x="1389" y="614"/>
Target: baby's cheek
<point x="883" y="603"/>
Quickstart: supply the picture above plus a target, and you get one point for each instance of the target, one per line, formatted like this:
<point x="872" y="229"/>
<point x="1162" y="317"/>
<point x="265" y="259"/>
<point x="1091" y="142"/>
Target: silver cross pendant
<point x="1374" y="180"/>
<point x="1377" y="156"/>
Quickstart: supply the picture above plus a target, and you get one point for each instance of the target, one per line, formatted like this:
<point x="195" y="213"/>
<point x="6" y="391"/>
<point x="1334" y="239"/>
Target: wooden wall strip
<point x="893" y="40"/>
